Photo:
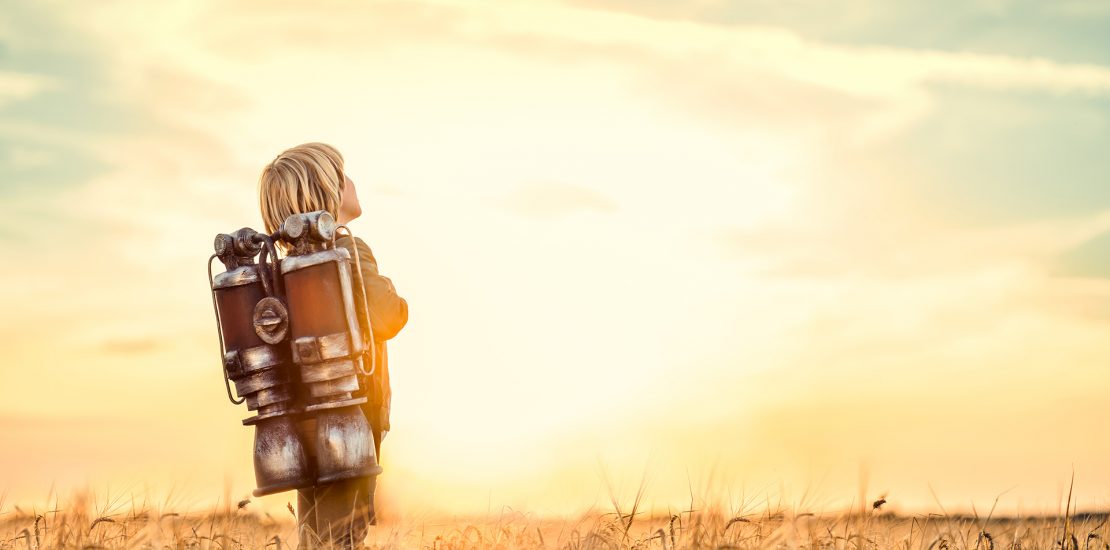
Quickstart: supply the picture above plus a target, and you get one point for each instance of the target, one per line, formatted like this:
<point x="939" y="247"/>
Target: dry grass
<point x="136" y="525"/>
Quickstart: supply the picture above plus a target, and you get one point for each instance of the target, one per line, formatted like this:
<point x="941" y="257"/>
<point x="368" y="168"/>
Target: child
<point x="303" y="179"/>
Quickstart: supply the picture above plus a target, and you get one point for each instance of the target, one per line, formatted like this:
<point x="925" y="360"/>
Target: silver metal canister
<point x="327" y="346"/>
<point x="253" y="322"/>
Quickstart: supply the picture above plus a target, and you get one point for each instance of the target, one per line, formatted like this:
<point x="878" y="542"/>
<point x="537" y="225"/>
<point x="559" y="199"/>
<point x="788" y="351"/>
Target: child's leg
<point x="344" y="511"/>
<point x="306" y="518"/>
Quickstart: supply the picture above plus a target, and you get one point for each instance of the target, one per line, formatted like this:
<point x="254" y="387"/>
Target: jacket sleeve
<point x="388" y="311"/>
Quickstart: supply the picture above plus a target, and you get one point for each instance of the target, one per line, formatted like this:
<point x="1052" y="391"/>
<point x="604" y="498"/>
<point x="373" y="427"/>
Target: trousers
<point x="336" y="515"/>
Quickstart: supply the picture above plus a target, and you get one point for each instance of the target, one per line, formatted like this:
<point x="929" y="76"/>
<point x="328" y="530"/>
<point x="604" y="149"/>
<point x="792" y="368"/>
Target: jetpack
<point x="294" y="343"/>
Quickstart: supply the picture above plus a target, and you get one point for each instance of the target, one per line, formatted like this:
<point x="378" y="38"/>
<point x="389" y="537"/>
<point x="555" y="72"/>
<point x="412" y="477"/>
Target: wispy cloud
<point x="1091" y="258"/>
<point x="19" y="86"/>
<point x="557" y="199"/>
<point x="133" y="346"/>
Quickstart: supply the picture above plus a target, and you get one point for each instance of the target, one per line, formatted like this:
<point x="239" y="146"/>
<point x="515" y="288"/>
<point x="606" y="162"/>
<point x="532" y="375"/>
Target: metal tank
<point x="326" y="333"/>
<point x="253" y="323"/>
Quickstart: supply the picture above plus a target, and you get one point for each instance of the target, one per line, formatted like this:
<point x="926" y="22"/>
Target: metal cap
<point x="293" y="227"/>
<point x="223" y="244"/>
<point x="323" y="226"/>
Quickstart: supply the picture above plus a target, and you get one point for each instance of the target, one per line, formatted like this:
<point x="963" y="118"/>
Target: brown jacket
<point x="388" y="315"/>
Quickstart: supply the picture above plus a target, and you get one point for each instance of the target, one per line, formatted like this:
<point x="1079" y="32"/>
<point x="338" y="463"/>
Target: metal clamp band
<point x="316" y="349"/>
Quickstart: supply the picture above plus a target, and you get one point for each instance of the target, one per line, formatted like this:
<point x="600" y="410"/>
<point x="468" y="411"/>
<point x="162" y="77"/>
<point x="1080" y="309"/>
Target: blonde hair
<point x="301" y="179"/>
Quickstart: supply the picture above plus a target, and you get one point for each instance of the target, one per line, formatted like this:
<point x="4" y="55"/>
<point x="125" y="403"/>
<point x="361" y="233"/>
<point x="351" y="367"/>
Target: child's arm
<point x="388" y="311"/>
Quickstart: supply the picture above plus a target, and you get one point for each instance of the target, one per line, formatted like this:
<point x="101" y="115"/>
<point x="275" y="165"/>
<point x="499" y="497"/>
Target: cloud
<point x="19" y="86"/>
<point x="1089" y="259"/>
<point x="864" y="92"/>
<point x="23" y="158"/>
<point x="1067" y="30"/>
<point x="887" y="241"/>
<point x="557" y="199"/>
<point x="132" y="346"/>
<point x="890" y="86"/>
<point x="865" y="70"/>
<point x="741" y="74"/>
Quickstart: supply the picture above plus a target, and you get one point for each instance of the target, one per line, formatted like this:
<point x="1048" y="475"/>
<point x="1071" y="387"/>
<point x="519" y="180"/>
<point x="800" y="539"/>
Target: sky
<point x="747" y="253"/>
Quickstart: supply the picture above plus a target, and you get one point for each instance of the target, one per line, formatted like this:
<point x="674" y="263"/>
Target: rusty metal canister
<point x="256" y="359"/>
<point x="327" y="346"/>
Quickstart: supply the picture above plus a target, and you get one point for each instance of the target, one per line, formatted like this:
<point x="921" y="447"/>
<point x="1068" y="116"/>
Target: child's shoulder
<point x="356" y="246"/>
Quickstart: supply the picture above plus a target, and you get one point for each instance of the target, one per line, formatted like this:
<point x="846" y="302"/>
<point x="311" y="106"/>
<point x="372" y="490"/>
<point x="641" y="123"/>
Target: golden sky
<point x="766" y="250"/>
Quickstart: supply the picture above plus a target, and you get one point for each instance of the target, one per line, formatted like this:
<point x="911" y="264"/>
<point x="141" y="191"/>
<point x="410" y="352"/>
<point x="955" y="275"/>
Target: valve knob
<point x="223" y="244"/>
<point x="271" y="320"/>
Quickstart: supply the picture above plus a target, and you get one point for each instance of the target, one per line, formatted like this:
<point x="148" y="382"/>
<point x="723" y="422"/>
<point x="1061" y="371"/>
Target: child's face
<point x="349" y="207"/>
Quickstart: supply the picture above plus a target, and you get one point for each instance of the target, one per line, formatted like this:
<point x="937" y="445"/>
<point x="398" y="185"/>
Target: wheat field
<point x="82" y="524"/>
